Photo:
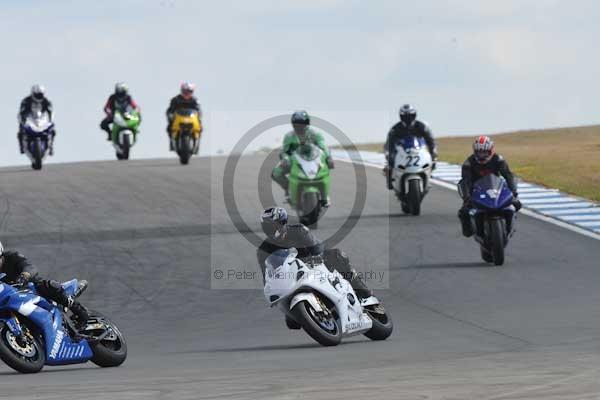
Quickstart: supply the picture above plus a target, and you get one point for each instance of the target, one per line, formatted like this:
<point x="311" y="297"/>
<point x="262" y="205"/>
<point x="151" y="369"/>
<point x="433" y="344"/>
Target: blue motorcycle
<point x="35" y="332"/>
<point x="493" y="217"/>
<point x="37" y="128"/>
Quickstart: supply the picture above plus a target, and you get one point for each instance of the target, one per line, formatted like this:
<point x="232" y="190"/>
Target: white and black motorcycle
<point x="413" y="165"/>
<point x="320" y="301"/>
<point x="37" y="130"/>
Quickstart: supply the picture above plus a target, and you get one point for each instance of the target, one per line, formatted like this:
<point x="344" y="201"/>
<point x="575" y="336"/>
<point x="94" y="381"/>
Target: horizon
<point x="469" y="68"/>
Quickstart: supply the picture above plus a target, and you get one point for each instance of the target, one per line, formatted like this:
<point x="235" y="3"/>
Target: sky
<point x="469" y="67"/>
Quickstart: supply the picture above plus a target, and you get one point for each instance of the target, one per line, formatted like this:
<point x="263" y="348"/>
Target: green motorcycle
<point x="308" y="183"/>
<point x="124" y="131"/>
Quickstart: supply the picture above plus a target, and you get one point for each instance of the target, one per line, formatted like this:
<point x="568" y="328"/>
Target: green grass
<point x="564" y="158"/>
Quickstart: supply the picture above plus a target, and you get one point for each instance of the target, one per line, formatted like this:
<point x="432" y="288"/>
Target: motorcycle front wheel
<point x="322" y="327"/>
<point x="497" y="241"/>
<point x="25" y="354"/>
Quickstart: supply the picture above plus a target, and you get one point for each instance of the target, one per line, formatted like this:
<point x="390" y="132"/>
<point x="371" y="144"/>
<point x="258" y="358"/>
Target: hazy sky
<point x="468" y="66"/>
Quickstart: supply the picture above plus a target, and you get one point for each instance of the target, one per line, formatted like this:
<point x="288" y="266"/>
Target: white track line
<point x="582" y="204"/>
<point x="530" y="213"/>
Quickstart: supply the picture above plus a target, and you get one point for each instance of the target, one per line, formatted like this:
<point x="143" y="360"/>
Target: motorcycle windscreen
<point x="277" y="259"/>
<point x="412" y="142"/>
<point x="38" y="121"/>
<point x="491" y="191"/>
<point x="186" y="112"/>
<point x="309" y="152"/>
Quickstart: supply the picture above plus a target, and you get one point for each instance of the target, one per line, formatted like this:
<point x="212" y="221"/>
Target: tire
<point x="37" y="155"/>
<point x="485" y="254"/>
<point x="405" y="208"/>
<point x="414" y="197"/>
<point x="109" y="353"/>
<point x="382" y="323"/>
<point x="497" y="241"/>
<point x="311" y="208"/>
<point x="306" y="316"/>
<point x="125" y="147"/>
<point x="184" y="150"/>
<point x="20" y="362"/>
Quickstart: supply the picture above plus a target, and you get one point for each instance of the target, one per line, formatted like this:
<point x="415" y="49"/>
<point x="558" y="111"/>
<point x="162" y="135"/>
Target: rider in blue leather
<point x="19" y="270"/>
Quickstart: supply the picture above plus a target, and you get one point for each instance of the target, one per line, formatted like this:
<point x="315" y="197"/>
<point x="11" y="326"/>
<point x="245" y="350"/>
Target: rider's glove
<point x="23" y="278"/>
<point x="285" y="163"/>
<point x="517" y="203"/>
<point x="330" y="163"/>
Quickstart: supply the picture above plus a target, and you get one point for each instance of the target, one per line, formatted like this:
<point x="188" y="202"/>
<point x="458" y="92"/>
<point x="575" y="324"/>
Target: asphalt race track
<point x="149" y="236"/>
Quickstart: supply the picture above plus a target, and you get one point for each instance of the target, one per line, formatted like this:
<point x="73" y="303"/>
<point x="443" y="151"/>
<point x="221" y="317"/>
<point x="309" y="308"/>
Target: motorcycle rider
<point x="408" y="125"/>
<point x="37" y="99"/>
<point x="301" y="134"/>
<point x="484" y="161"/>
<point x="184" y="100"/>
<point x="19" y="270"/>
<point x="281" y="235"/>
<point x="117" y="101"/>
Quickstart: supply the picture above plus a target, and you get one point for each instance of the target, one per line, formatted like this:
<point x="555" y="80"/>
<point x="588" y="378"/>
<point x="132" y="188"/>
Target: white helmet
<point x="1" y="249"/>
<point x="37" y="92"/>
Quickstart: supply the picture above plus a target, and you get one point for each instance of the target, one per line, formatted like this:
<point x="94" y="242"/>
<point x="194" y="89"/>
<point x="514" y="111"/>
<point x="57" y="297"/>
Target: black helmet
<point x="121" y="90"/>
<point x="408" y="114"/>
<point x="38" y="92"/>
<point x="300" y="118"/>
<point x="274" y="221"/>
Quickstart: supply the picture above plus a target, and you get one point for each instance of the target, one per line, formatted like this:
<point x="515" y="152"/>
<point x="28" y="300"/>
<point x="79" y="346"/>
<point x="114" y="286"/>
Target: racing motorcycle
<point x="411" y="174"/>
<point x="35" y="332"/>
<point x="321" y="302"/>
<point x="38" y="129"/>
<point x="492" y="216"/>
<point x="308" y="183"/>
<point x="185" y="134"/>
<point x="124" y="131"/>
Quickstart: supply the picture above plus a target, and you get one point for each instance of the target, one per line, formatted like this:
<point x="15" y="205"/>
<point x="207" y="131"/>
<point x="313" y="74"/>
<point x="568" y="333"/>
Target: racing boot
<point x="79" y="312"/>
<point x="20" y="138"/>
<point x="388" y="176"/>
<point x="360" y="288"/>
<point x="463" y="216"/>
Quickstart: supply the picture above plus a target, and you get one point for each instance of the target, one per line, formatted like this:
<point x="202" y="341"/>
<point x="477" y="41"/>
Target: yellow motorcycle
<point x="185" y="133"/>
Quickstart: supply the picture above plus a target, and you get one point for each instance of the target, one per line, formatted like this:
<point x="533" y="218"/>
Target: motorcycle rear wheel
<point x="382" y="323"/>
<point x="112" y="351"/>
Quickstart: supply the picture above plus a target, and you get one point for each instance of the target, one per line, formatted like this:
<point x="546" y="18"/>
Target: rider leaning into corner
<point x="19" y="270"/>
<point x="484" y="161"/>
<point x="116" y="101"/>
<point x="301" y="134"/>
<point x="184" y="100"/>
<point x="408" y="125"/>
<point x="281" y="235"/>
<point x="36" y="100"/>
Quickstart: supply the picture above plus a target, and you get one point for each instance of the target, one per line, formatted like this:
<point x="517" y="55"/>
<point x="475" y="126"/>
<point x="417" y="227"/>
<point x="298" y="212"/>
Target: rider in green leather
<point x="301" y="134"/>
